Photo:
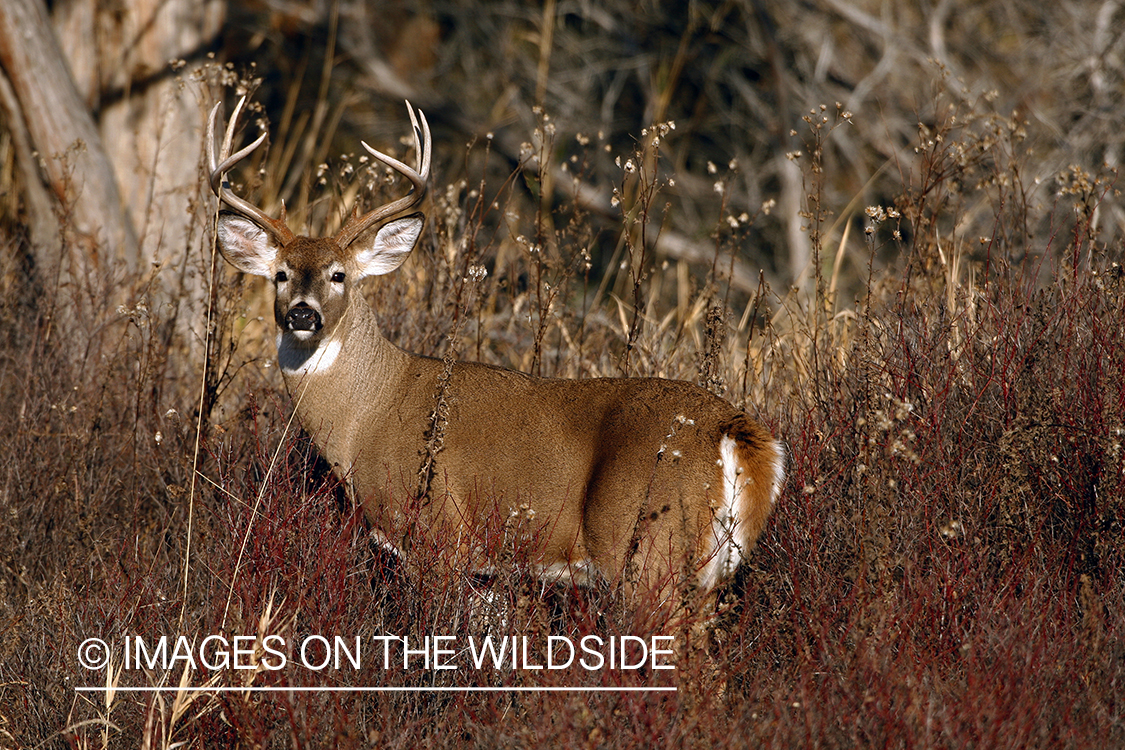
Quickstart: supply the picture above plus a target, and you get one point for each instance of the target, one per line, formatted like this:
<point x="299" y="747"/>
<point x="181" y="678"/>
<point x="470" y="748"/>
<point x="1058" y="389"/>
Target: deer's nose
<point x="303" y="318"/>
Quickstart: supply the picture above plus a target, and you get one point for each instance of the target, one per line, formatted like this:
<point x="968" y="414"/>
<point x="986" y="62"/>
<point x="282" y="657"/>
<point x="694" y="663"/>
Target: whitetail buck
<point x="652" y="476"/>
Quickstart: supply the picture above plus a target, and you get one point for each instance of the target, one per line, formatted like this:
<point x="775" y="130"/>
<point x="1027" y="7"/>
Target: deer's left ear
<point x="381" y="252"/>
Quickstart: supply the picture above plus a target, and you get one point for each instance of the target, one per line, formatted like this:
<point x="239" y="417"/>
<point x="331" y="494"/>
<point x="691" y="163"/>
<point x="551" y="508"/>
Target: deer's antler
<point x="277" y="227"/>
<point x="357" y="224"/>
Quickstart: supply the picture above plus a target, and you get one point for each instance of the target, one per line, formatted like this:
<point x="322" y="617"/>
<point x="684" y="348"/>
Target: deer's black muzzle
<point x="303" y="318"/>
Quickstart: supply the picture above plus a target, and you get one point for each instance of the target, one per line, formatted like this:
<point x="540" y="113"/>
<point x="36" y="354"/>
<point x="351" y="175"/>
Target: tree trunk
<point x="131" y="194"/>
<point x="67" y="149"/>
<point x="127" y="67"/>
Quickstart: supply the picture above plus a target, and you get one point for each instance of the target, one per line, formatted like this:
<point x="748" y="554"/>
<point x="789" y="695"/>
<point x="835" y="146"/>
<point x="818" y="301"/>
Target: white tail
<point x="647" y="475"/>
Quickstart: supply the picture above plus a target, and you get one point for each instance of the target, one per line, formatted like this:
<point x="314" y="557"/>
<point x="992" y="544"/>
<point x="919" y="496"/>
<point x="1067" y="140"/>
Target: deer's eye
<point x="281" y="276"/>
<point x="338" y="277"/>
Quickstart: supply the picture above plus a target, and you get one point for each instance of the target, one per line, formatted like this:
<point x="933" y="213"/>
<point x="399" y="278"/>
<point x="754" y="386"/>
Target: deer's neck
<point x="349" y="372"/>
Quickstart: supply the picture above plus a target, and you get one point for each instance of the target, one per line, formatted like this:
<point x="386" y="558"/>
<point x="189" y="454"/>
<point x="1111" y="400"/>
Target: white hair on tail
<point x="727" y="552"/>
<point x="729" y="542"/>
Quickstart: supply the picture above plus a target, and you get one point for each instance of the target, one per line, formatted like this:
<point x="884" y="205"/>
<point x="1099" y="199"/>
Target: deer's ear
<point x="246" y="246"/>
<point x="381" y="252"/>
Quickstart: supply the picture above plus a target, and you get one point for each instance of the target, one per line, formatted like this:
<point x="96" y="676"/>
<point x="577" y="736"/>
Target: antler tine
<point x="221" y="187"/>
<point x="418" y="179"/>
<point x="421" y="140"/>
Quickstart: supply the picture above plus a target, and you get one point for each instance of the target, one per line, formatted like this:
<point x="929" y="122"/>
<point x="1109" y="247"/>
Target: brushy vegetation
<point x="944" y="569"/>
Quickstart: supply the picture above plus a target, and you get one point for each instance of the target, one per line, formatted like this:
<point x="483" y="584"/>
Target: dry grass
<point x="944" y="568"/>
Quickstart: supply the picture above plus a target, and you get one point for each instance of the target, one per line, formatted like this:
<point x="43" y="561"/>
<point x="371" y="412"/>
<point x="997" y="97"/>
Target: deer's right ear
<point x="246" y="246"/>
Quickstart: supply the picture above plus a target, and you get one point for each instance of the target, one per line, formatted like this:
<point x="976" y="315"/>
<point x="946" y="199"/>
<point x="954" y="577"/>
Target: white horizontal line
<point x="391" y="689"/>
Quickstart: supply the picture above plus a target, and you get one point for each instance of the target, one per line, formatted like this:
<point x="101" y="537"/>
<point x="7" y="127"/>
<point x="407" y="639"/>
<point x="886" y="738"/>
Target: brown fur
<point x="622" y="479"/>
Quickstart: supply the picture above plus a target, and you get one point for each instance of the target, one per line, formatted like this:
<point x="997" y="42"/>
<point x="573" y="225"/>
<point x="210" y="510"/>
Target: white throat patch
<point x="295" y="360"/>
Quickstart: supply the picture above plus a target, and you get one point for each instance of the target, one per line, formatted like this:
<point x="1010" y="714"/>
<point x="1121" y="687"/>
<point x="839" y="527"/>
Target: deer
<point x="650" y="482"/>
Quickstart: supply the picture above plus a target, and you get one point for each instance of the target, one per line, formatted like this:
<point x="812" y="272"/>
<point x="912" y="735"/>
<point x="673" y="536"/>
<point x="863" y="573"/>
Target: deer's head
<point x="313" y="276"/>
